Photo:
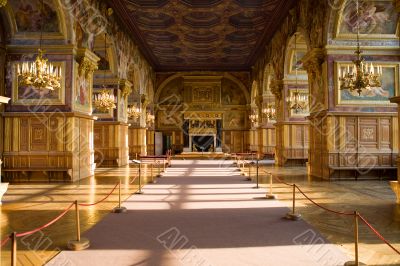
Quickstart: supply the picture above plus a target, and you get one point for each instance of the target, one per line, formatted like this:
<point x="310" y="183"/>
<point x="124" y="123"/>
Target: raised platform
<point x="202" y="155"/>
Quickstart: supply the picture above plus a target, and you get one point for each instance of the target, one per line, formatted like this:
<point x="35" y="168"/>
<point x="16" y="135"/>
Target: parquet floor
<point x="28" y="206"/>
<point x="372" y="199"/>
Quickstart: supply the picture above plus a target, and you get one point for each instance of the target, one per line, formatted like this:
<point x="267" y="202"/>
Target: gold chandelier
<point x="254" y="118"/>
<point x="3" y="3"/>
<point x="296" y="101"/>
<point x="39" y="74"/>
<point x="104" y="101"/>
<point x="133" y="112"/>
<point x="361" y="76"/>
<point x="269" y="112"/>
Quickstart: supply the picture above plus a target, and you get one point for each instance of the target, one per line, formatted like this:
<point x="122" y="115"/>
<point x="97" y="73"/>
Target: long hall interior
<point x="212" y="132"/>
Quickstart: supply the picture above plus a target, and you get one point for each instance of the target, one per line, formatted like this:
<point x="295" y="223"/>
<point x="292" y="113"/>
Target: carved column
<point x="277" y="87"/>
<point x="111" y="128"/>
<point x="318" y="154"/>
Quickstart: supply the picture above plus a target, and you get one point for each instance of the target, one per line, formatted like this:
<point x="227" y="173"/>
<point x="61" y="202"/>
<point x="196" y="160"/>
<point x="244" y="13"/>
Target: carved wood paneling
<point x="48" y="141"/>
<point x="110" y="144"/>
<point x="362" y="143"/>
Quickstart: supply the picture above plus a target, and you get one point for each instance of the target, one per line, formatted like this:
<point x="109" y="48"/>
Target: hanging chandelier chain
<point x="361" y="77"/>
<point x="104" y="101"/>
<point x="39" y="74"/>
<point x="296" y="102"/>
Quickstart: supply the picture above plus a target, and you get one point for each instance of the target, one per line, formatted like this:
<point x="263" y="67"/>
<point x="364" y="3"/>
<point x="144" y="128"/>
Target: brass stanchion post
<point x="293" y="215"/>
<point x="270" y="195"/>
<point x="158" y="169"/>
<point x="119" y="209"/>
<point x="249" y="176"/>
<point x="151" y="174"/>
<point x="356" y="262"/>
<point x="14" y="249"/>
<point x="139" y="191"/>
<point x="257" y="186"/>
<point x="80" y="243"/>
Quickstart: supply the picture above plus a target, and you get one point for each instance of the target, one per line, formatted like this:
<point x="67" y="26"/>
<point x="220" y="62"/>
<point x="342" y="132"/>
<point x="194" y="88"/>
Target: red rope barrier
<point x="97" y="202"/>
<point x="281" y="181"/>
<point x="46" y="225"/>
<point x="340" y="213"/>
<point x="322" y="207"/>
<point x="133" y="180"/>
<point x="378" y="234"/>
<point x="5" y="241"/>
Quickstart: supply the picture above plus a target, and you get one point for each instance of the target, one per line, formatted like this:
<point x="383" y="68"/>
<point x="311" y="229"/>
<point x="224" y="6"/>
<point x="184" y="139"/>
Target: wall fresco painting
<point x="29" y="95"/>
<point x="30" y="16"/>
<point x="376" y="18"/>
<point x="375" y="95"/>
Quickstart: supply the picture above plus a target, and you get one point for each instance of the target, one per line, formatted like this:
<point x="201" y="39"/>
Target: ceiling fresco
<point x="201" y="34"/>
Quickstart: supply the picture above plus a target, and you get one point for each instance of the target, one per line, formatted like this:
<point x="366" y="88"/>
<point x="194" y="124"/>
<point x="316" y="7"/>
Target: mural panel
<point x="30" y="16"/>
<point x="374" y="96"/>
<point x="299" y="63"/>
<point x="82" y="93"/>
<point x="122" y="107"/>
<point x="377" y="19"/>
<point x="234" y="120"/>
<point x="232" y="94"/>
<point x="29" y="95"/>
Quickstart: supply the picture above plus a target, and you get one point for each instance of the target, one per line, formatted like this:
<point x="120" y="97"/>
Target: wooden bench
<point x="14" y="173"/>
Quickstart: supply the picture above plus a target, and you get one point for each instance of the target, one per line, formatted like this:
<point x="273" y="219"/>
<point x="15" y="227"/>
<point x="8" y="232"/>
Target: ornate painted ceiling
<point x="190" y="35"/>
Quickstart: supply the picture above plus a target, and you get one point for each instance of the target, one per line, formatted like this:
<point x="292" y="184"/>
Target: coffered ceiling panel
<point x="189" y="35"/>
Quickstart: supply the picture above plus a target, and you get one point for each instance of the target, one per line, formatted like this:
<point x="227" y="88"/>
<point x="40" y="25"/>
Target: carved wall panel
<point x="111" y="147"/>
<point x="137" y="142"/>
<point x="294" y="143"/>
<point x="52" y="146"/>
<point x="352" y="144"/>
<point x="235" y="141"/>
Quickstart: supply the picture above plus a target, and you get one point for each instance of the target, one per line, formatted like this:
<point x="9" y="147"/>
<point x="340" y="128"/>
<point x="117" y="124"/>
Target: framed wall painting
<point x="25" y="19"/>
<point x="377" y="20"/>
<point x="376" y="96"/>
<point x="29" y="95"/>
<point x="82" y="92"/>
<point x="122" y="107"/>
<point x="299" y="63"/>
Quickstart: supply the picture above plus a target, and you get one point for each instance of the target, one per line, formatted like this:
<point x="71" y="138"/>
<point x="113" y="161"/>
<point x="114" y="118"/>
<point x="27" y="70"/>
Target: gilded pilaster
<point x="396" y="184"/>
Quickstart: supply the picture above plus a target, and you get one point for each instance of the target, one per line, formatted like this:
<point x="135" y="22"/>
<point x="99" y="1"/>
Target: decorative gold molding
<point x="87" y="61"/>
<point x="126" y="88"/>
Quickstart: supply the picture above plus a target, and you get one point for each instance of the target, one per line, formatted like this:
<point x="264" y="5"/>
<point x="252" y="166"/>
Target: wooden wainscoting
<point x="110" y="143"/>
<point x="39" y="145"/>
<point x="344" y="144"/>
